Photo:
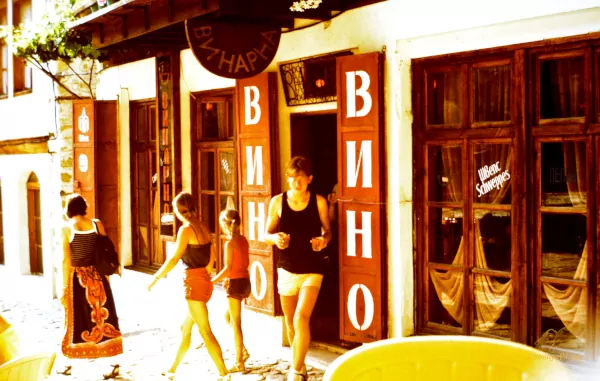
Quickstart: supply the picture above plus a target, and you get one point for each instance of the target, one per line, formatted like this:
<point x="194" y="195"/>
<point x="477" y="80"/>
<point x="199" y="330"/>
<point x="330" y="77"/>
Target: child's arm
<point x="228" y="260"/>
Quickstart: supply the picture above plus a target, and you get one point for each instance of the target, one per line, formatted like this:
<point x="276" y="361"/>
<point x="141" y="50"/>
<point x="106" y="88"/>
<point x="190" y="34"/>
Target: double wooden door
<point x="147" y="247"/>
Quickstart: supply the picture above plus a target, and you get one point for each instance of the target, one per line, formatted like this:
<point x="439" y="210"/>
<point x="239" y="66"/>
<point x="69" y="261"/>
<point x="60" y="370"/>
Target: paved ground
<point x="150" y="323"/>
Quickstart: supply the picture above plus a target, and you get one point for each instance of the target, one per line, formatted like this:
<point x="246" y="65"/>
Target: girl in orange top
<point x="237" y="283"/>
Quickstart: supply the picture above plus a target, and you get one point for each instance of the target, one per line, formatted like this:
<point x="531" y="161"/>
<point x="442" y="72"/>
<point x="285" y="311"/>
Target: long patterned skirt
<point x="91" y="322"/>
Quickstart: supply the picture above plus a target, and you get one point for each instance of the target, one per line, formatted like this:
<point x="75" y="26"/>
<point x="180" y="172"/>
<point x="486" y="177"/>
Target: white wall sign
<point x="497" y="182"/>
<point x="352" y="92"/>
<point x="251" y="97"/>
<point x="254" y="165"/>
<point x="365" y="158"/>
<point x="255" y="217"/>
<point x="82" y="162"/>
<point x="83" y="122"/>
<point x="352" y="231"/>
<point x="369" y="307"/>
<point x="262" y="276"/>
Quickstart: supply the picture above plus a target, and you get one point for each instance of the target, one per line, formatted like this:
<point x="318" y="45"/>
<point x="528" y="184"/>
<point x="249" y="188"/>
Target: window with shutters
<point x="214" y="160"/>
<point x="22" y="73"/>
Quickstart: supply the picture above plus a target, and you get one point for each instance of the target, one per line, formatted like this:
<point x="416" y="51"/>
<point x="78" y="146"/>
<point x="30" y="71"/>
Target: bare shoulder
<point x="66" y="230"/>
<point x="100" y="226"/>
<point x="276" y="202"/>
<point x="321" y="201"/>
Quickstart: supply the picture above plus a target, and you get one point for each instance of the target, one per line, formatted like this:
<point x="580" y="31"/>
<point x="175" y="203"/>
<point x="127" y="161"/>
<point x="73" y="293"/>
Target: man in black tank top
<point x="298" y="224"/>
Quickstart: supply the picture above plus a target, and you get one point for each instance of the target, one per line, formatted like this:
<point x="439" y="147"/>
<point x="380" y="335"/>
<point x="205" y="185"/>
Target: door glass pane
<point x="227" y="171"/>
<point x="564" y="176"/>
<point x="492" y="240"/>
<point x="445" y="299"/>
<point x="492" y="300"/>
<point x="492" y="167"/>
<point x="207" y="208"/>
<point x="491" y="93"/>
<point x="227" y="202"/>
<point x="446" y="236"/>
<point x="564" y="315"/>
<point x="142" y="124"/>
<point x="152" y="116"/>
<point x="444" y="98"/>
<point x="212" y="116"/>
<point x="444" y="173"/>
<point x="207" y="170"/>
<point x="230" y="119"/>
<point x="562" y="88"/>
<point x="564" y="246"/>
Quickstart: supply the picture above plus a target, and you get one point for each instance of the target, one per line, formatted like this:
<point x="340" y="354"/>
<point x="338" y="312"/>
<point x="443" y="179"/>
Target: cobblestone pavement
<point x="150" y="326"/>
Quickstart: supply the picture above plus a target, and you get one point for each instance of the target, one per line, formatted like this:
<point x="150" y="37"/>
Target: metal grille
<point x="310" y="80"/>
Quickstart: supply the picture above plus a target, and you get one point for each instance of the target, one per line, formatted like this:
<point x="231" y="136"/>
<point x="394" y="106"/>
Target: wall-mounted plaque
<point x="233" y="50"/>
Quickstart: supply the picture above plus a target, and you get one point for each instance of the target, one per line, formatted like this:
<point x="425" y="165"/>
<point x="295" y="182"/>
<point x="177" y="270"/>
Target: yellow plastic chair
<point x="30" y="368"/>
<point x="446" y="358"/>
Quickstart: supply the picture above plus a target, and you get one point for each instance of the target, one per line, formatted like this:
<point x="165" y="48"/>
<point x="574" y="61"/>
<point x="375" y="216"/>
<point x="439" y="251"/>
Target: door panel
<point x="360" y="188"/>
<point x="258" y="163"/>
<point x="84" y="167"/>
<point x="148" y="250"/>
<point x="108" y="179"/>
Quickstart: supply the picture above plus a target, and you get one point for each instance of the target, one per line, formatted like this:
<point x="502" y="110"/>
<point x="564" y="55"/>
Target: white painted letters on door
<point x="254" y="165"/>
<point x="369" y="307"/>
<point x="365" y="158"/>
<point x="352" y="92"/>
<point x="262" y="276"/>
<point x="256" y="218"/>
<point x="251" y="102"/>
<point x="352" y="231"/>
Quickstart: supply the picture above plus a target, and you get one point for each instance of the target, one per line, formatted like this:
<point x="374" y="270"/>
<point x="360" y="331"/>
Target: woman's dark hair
<point x="76" y="205"/>
<point x="299" y="164"/>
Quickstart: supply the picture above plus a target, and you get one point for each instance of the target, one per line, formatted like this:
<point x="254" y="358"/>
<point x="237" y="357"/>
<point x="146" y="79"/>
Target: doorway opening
<point x="315" y="136"/>
<point x="147" y="247"/>
<point x="34" y="221"/>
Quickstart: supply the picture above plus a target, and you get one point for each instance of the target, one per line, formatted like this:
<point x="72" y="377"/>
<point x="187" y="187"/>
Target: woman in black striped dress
<point x="91" y="323"/>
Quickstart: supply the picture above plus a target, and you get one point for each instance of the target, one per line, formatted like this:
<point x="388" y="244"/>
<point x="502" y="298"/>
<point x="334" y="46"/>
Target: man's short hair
<point x="299" y="164"/>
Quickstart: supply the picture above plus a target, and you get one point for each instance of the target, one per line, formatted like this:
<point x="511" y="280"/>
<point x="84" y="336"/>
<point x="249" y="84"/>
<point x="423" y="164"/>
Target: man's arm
<point x="272" y="237"/>
<point x="324" y="215"/>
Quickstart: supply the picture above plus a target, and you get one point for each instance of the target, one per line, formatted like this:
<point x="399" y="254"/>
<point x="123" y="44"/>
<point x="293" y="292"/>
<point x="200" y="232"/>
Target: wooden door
<point x="84" y="167"/>
<point x="147" y="249"/>
<point x="108" y="178"/>
<point x="361" y="192"/>
<point x="34" y="222"/>
<point x="214" y="167"/>
<point x="257" y="141"/>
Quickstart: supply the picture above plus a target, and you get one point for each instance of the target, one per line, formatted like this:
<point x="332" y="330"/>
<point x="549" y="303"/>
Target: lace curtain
<point x="570" y="304"/>
<point x="491" y="296"/>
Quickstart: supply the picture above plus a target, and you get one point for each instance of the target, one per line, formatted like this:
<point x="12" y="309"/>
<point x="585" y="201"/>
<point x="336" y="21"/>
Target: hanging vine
<point x="302" y="5"/>
<point x="50" y="39"/>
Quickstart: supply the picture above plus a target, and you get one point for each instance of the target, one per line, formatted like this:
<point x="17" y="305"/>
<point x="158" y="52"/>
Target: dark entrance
<point x="315" y="137"/>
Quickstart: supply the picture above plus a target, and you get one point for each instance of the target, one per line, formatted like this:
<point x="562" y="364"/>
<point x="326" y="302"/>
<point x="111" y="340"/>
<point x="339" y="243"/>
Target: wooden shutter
<point x="84" y="180"/>
<point x="257" y="159"/>
<point x="361" y="190"/>
<point x="107" y="158"/>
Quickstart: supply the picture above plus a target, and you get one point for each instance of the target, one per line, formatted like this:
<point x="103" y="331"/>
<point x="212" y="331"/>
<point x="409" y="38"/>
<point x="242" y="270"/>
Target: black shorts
<point x="238" y="288"/>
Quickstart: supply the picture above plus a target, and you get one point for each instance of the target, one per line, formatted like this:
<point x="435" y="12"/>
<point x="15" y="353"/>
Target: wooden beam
<point x="124" y="21"/>
<point x="139" y="21"/>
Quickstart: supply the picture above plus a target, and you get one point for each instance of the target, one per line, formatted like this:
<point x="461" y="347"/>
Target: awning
<point x="24" y="146"/>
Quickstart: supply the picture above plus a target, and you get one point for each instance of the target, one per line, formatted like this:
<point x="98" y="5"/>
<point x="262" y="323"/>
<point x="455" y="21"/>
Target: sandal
<point x="237" y="368"/>
<point x="296" y="376"/>
<point x="226" y="377"/>
<point x="114" y="373"/>
<point x="168" y="375"/>
<point x="66" y="372"/>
